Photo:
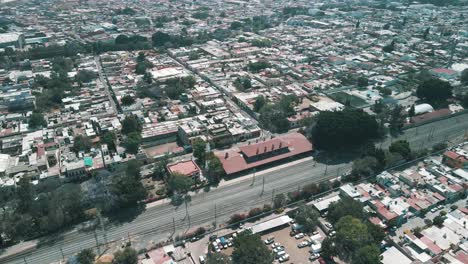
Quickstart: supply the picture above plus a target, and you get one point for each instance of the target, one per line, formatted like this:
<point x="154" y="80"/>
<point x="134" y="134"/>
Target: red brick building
<point x="264" y="152"/>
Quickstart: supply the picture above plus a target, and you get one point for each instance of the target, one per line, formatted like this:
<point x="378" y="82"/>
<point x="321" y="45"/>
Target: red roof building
<point x="264" y="152"/>
<point x="188" y="168"/>
<point x="455" y="160"/>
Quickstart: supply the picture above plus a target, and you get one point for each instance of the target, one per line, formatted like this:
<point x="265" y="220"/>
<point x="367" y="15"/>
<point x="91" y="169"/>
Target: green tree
<point x="411" y="111"/>
<point x="85" y="76"/>
<point x="25" y="195"/>
<point x="401" y="147"/>
<point x="201" y="15"/>
<point x="217" y="258"/>
<point x="307" y="216"/>
<point x="351" y="235"/>
<point x="109" y="139"/>
<point x="37" y="120"/>
<point x="274" y="119"/>
<point x="127" y="190"/>
<point x="397" y="119"/>
<point x="329" y="247"/>
<point x="344" y="207"/>
<point x="86" y="256"/>
<point x="132" y="143"/>
<point x="369" y="254"/>
<point x="364" y="167"/>
<point x="199" y="148"/>
<point x="464" y="76"/>
<point x="249" y="249"/>
<point x="215" y="170"/>
<point x="127" y="100"/>
<point x="362" y="81"/>
<point x="434" y="91"/>
<point x="242" y="83"/>
<point x="179" y="183"/>
<point x="126" y="256"/>
<point x="148" y="78"/>
<point x="82" y="143"/>
<point x="279" y="201"/>
<point x="258" y="66"/>
<point x="235" y="25"/>
<point x="357" y="125"/>
<point x="260" y="101"/>
<point x="160" y="38"/>
<point x="131" y="124"/>
<point x="438" y="221"/>
<point x="390" y="47"/>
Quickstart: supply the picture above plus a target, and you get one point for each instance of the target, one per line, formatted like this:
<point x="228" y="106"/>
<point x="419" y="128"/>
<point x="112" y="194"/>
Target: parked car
<point x="284" y="258"/>
<point x="315" y="233"/>
<point x="269" y="240"/>
<point x="299" y="236"/>
<point x="278" y="249"/>
<point x="275" y="245"/>
<point x="303" y="244"/>
<point x="281" y="253"/>
<point x="201" y="259"/>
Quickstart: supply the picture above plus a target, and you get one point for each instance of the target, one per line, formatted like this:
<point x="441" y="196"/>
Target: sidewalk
<point x="20" y="248"/>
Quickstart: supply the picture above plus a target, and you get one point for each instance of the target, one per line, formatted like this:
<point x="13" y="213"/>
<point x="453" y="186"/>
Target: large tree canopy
<point x="249" y="249"/>
<point x="340" y="129"/>
<point x="434" y="91"/>
<point x="344" y="207"/>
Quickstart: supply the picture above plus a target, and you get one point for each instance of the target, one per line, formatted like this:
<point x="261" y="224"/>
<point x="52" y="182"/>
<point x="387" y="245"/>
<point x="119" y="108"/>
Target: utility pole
<point x="187" y="212"/>
<point x="272" y="196"/>
<point x="104" y="234"/>
<point x="61" y="252"/>
<point x="97" y="243"/>
<point x="215" y="217"/>
<point x="253" y="177"/>
<point x="263" y="185"/>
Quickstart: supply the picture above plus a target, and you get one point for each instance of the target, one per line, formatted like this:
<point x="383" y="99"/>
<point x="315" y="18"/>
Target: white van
<point x="201" y="259"/>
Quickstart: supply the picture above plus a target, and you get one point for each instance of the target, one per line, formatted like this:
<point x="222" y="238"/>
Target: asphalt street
<point x="157" y="223"/>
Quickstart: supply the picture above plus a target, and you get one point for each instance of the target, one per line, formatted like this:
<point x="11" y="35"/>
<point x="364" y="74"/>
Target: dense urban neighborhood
<point x="233" y="131"/>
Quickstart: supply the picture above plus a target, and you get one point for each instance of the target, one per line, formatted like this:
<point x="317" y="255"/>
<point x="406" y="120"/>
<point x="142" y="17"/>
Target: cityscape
<point x="233" y="131"/>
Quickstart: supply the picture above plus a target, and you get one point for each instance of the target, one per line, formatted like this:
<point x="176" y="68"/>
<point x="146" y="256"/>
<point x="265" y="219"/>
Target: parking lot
<point x="296" y="255"/>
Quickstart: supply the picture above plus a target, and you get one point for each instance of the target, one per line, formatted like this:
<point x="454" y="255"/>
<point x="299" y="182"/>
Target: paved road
<point x="156" y="223"/>
<point x="103" y="80"/>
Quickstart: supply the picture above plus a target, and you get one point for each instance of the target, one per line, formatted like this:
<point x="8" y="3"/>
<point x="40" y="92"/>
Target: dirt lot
<point x="296" y="255"/>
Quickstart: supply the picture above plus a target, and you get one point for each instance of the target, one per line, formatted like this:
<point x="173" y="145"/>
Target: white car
<point x="299" y="236"/>
<point x="275" y="245"/>
<point x="278" y="249"/>
<point x="303" y="244"/>
<point x="280" y="254"/>
<point x="284" y="258"/>
<point x="269" y="240"/>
